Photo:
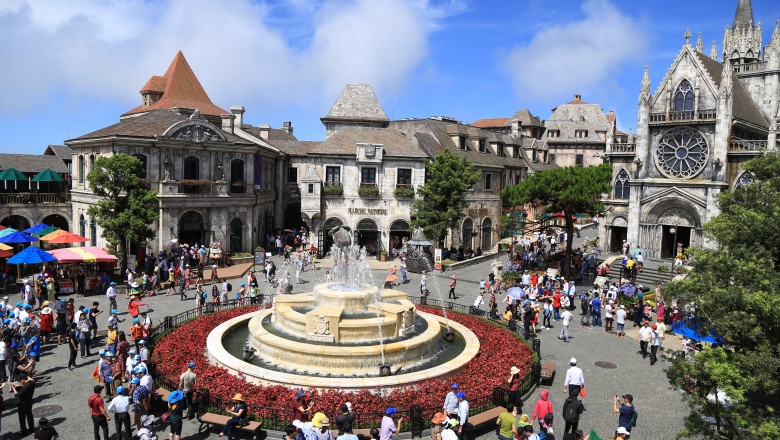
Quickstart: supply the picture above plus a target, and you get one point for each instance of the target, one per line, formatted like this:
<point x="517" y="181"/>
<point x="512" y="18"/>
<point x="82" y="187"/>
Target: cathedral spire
<point x="699" y="44"/>
<point x="644" y="94"/>
<point x="744" y="15"/>
<point x="714" y="51"/>
<point x="687" y="36"/>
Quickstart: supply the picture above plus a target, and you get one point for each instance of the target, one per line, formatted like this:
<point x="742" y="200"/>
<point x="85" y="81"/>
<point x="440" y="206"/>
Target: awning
<point x="89" y="254"/>
<point x="47" y="175"/>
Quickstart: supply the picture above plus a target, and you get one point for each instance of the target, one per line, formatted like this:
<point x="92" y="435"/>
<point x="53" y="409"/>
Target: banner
<point x="437" y="259"/>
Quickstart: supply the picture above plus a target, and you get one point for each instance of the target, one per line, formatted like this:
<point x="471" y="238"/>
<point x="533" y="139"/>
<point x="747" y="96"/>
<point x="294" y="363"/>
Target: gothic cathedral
<point x="694" y="131"/>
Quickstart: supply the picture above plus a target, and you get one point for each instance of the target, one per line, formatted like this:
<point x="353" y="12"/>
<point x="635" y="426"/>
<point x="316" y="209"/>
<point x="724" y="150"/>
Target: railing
<point x="750" y="67"/>
<point x="623" y="148"/>
<point x="737" y="145"/>
<point x="277" y="419"/>
<point x="194" y="188"/>
<point x="33" y="198"/>
<point x="686" y="115"/>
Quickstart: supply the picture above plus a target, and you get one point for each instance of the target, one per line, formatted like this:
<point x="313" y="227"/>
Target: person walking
<point x="24" y="402"/>
<point x="645" y="336"/>
<point x="541" y="409"/>
<point x="575" y="380"/>
<point x="572" y="408"/>
<point x="100" y="417"/>
<point x="566" y="316"/>
<point x="73" y="345"/>
<point x="452" y="284"/>
<point x="655" y="343"/>
<point x="111" y="295"/>
<point x="187" y="386"/>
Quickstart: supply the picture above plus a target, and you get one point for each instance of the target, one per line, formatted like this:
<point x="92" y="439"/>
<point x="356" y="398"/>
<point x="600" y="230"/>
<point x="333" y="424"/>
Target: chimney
<point x="287" y="127"/>
<point x="578" y="97"/>
<point x="227" y="123"/>
<point x="264" y="130"/>
<point x="238" y="112"/>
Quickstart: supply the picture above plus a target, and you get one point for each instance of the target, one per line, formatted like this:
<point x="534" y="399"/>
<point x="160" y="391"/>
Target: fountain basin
<point x="305" y="356"/>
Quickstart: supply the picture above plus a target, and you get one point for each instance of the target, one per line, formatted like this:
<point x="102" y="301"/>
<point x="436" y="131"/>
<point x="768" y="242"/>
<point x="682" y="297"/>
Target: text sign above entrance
<point x="367" y="211"/>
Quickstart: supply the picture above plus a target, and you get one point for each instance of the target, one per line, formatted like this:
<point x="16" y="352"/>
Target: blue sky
<point x="73" y="67"/>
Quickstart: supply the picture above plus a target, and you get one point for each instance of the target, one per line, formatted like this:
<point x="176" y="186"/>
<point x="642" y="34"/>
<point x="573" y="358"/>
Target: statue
<point x="167" y="169"/>
<point x="220" y="177"/>
<point x="342" y="239"/>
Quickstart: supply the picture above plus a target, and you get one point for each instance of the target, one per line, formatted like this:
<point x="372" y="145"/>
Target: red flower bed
<point x="499" y="349"/>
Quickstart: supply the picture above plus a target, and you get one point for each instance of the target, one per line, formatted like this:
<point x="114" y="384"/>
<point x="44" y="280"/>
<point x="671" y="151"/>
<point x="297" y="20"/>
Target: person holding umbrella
<point x="176" y="405"/>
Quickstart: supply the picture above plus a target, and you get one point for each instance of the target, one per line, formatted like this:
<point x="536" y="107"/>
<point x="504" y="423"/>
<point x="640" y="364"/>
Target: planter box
<point x="242" y="260"/>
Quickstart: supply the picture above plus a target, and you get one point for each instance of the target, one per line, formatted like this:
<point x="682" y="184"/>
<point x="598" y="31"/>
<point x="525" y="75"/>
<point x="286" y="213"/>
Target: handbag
<point x="165" y="417"/>
<point x="583" y="393"/>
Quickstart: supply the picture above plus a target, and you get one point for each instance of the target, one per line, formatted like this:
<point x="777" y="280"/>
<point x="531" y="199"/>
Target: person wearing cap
<point x="143" y="351"/>
<point x="575" y="380"/>
<point x="47" y="321"/>
<point x="345" y="417"/>
<point x="73" y="346"/>
<point x="451" y="401"/>
<point x="44" y="431"/>
<point x="463" y="413"/>
<point x="27" y="293"/>
<point x="621" y="433"/>
<point x="140" y="400"/>
<point x="136" y="332"/>
<point x="609" y="311"/>
<point x="187" y="385"/>
<point x="390" y="423"/>
<point x="100" y="417"/>
<point x="620" y="321"/>
<point x="507" y="424"/>
<point x="625" y="409"/>
<point x="120" y="406"/>
<point x="239" y="413"/>
<point x="655" y="343"/>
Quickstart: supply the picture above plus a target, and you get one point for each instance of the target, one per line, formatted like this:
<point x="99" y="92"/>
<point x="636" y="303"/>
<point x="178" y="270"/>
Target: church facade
<point x="710" y="114"/>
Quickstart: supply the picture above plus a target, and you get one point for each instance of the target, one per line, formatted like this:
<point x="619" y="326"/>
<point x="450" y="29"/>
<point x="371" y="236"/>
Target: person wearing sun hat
<point x="451" y="401"/>
<point x="239" y="413"/>
<point x="514" y="382"/>
<point x="147" y="430"/>
<point x="176" y="410"/>
<point x="437" y="425"/>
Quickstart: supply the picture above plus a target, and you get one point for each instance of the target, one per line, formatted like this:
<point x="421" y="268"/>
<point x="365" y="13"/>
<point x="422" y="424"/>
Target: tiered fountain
<point x="344" y="334"/>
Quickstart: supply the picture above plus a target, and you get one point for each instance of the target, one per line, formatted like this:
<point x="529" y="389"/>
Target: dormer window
<point x="580" y="134"/>
<point x="462" y="143"/>
<point x="500" y="149"/>
<point x="534" y="155"/>
<point x="482" y="148"/>
<point x="553" y="134"/>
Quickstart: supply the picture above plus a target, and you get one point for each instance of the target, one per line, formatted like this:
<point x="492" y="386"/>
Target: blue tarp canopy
<point x="697" y="330"/>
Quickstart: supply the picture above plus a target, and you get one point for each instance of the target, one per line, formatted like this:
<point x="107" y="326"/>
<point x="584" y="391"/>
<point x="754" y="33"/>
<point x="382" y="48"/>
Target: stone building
<point x="212" y="184"/>
<point x="704" y="120"/>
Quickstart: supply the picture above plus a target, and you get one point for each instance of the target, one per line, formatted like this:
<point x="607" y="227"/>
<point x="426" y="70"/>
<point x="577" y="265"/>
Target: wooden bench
<point x="209" y="419"/>
<point x="547" y="371"/>
<point x="484" y="419"/>
<point x="163" y="393"/>
<point x="361" y="433"/>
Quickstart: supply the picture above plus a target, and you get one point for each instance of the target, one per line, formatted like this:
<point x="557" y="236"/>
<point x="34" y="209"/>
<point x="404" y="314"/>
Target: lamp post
<point x="673" y="230"/>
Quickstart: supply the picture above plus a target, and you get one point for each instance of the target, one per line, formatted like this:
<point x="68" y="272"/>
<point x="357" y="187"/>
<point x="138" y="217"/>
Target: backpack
<point x="633" y="418"/>
<point x="230" y="287"/>
<point x="571" y="411"/>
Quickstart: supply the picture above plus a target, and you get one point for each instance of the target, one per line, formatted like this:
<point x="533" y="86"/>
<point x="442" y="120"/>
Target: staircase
<point x="648" y="277"/>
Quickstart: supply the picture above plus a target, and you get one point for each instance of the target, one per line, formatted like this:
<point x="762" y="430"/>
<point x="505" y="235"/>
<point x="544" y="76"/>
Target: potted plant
<point x="334" y="190"/>
<point x="368" y="191"/>
<point x="383" y="256"/>
<point x="404" y="192"/>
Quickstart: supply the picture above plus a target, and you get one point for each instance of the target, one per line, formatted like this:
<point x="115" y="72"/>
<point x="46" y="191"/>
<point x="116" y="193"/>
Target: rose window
<point x="682" y="152"/>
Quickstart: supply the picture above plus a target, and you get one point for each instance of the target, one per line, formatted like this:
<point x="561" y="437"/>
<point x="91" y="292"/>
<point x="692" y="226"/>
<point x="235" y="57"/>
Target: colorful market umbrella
<point x="7" y="231"/>
<point x="47" y="175"/>
<point x="31" y="255"/>
<point x="46" y="236"/>
<point x="67" y="237"/>
<point x="18" y="237"/>
<point x="36" y="228"/>
<point x="82" y="254"/>
<point x="5" y="247"/>
<point x="5" y="253"/>
<point x="12" y="174"/>
<point x="2" y="227"/>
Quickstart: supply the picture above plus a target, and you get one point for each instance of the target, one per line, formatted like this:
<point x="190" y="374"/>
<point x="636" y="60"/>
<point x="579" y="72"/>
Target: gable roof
<point x="62" y="151"/>
<point x="33" y="163"/>
<point x="490" y="122"/>
<point x="526" y="118"/>
<point x="180" y="88"/>
<point x="357" y="102"/>
<point x="395" y="142"/>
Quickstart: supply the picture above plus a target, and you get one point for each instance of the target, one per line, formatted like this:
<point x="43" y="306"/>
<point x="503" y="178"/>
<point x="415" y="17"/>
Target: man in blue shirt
<point x="34" y="346"/>
<point x="595" y="305"/>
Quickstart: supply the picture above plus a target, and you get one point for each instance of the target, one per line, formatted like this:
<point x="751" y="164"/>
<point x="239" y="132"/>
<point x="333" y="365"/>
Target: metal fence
<point x="278" y="419"/>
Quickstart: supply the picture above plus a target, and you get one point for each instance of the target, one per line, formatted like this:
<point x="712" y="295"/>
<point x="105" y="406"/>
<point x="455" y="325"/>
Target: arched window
<point x="622" y="187"/>
<point x="745" y="179"/>
<point x="683" y="97"/>
<point x="93" y="233"/>
<point x="468" y="231"/>
<point x="82" y="169"/>
<point x="144" y="161"/>
<point x="236" y="235"/>
<point x="91" y="161"/>
<point x="191" y="168"/>
<point x="237" y="182"/>
<point x="82" y="226"/>
<point x="487" y="234"/>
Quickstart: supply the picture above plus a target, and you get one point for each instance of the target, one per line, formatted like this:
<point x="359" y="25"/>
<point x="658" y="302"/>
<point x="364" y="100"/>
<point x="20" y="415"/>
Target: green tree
<point x="126" y="209"/>
<point x="442" y="199"/>
<point x="569" y="190"/>
<point x="733" y="391"/>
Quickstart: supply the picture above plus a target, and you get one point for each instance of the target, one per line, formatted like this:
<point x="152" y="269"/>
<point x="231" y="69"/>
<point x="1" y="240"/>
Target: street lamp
<point x="673" y="230"/>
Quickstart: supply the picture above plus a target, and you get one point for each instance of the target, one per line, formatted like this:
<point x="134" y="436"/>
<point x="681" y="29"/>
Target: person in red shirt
<point x="557" y="305"/>
<point x="47" y="321"/>
<point x="534" y="279"/>
<point x="133" y="306"/>
<point x="99" y="416"/>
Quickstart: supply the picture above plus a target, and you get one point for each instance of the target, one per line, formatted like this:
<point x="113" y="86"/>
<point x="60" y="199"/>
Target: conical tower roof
<point x="744" y="14"/>
<point x="357" y="102"/>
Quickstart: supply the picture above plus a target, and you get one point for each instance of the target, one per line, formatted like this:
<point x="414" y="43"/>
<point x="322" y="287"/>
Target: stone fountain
<point x="342" y="333"/>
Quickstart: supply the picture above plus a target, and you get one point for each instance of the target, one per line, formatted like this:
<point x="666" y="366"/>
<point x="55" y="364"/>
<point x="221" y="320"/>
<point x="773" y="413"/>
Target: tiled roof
<point x="611" y="117"/>
<point x="577" y="100"/>
<point x="357" y="102"/>
<point x="154" y="123"/>
<point x="181" y="89"/>
<point x="526" y="118"/>
<point x="32" y="163"/>
<point x="744" y="108"/>
<point x="396" y="142"/>
<point x="62" y="151"/>
<point x="283" y="141"/>
<point x="577" y="115"/>
<point x="490" y="123"/>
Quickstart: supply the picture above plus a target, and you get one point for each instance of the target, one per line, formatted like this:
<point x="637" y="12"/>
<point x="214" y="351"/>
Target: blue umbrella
<point x="515" y="293"/>
<point x="18" y="237"/>
<point x="31" y="255"/>
<point x="36" y="228"/>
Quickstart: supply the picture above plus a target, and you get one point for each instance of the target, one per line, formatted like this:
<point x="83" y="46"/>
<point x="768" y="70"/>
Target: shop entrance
<point x="674" y="238"/>
<point x="399" y="230"/>
<point x="617" y="235"/>
<point x="324" y="240"/>
<point x="367" y="235"/>
<point x="191" y="228"/>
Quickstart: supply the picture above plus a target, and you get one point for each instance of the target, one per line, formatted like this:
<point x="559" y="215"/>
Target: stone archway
<point x="669" y="226"/>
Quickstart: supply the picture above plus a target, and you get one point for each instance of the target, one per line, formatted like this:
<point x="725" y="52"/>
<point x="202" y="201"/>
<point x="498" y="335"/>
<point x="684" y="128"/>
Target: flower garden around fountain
<point x="499" y="349"/>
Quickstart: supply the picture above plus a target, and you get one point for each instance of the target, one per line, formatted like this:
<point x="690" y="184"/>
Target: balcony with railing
<point x="33" y="198"/>
<point x="625" y="148"/>
<point x="747" y="146"/>
<point x="758" y="66"/>
<point x="685" y="115"/>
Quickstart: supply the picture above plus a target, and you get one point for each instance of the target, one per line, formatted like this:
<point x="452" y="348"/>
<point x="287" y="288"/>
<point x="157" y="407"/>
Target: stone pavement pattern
<point x="61" y="395"/>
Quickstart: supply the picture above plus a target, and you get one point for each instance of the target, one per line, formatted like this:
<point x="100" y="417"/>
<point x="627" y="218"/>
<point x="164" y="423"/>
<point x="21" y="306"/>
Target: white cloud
<point x="584" y="55"/>
<point x="106" y="49"/>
